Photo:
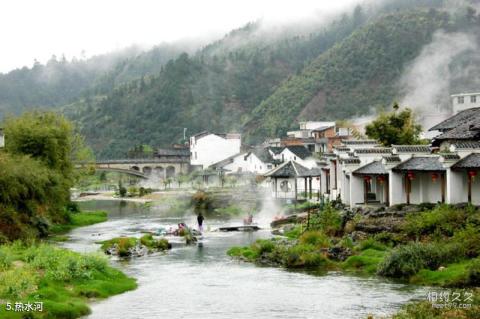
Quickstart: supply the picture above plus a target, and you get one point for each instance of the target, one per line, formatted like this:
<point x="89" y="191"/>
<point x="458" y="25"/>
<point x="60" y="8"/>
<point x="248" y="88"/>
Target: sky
<point x="32" y="29"/>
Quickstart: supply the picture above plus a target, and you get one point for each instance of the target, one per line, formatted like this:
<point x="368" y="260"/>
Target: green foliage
<point x="295" y="232"/>
<point x="79" y="220"/>
<point x="315" y="238"/>
<point x="123" y="245"/>
<point x="152" y="243"/>
<point x="63" y="280"/>
<point x="328" y="220"/>
<point x="357" y="73"/>
<point x="395" y="128"/>
<point x="366" y="262"/>
<point x="407" y="260"/>
<point x="444" y="219"/>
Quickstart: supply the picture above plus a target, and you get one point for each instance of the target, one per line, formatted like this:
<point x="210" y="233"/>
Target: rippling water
<point x="202" y="282"/>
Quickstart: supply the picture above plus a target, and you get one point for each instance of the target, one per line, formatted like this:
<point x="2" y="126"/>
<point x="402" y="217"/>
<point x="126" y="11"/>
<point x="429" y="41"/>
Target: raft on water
<point x="239" y="228"/>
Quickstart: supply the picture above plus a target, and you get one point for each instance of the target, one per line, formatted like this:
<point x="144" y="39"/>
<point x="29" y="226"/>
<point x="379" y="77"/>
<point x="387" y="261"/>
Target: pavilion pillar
<point x="295" y="188"/>
<point x="305" y="190"/>
<point x="365" y="190"/>
<point x="469" y="186"/>
<point x="408" y="188"/>
<point x="310" y="184"/>
<point x="442" y="186"/>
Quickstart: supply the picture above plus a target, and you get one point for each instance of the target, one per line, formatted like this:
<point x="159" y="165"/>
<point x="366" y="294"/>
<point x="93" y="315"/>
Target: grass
<point x="79" y="219"/>
<point x="123" y="244"/>
<point x="63" y="280"/>
<point x="365" y="263"/>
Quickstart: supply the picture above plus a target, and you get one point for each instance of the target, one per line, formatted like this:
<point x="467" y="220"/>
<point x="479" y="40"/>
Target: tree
<point x="396" y="127"/>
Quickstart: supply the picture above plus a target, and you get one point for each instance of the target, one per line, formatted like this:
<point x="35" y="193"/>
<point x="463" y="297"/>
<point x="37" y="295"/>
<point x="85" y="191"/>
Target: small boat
<point x="239" y="228"/>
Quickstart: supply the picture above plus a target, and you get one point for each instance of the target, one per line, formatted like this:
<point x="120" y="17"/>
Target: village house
<point x="257" y="161"/>
<point x="208" y="148"/>
<point x="361" y="172"/>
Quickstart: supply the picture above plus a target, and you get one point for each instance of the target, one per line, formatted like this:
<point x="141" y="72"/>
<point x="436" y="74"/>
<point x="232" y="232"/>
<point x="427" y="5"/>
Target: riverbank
<point x="40" y="280"/>
<point x="437" y="246"/>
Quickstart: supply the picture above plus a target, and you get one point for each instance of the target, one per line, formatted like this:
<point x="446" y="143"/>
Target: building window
<point x="294" y="158"/>
<point x="461" y="100"/>
<point x="473" y="99"/>
<point x="269" y="166"/>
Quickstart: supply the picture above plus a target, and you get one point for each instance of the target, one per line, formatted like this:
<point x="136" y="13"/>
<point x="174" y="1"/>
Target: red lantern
<point x="381" y="179"/>
<point x="367" y="178"/>
<point x="410" y="175"/>
<point x="472" y="174"/>
<point x="318" y="178"/>
<point x="434" y="177"/>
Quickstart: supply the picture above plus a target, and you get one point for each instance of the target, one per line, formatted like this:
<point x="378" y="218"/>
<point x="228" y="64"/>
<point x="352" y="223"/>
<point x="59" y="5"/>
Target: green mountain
<point x="253" y="80"/>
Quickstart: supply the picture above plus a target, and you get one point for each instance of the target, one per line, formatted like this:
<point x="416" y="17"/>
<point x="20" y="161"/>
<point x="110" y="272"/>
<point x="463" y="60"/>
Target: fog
<point x="39" y="29"/>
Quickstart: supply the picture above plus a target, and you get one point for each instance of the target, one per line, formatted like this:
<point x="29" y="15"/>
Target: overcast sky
<point x="36" y="29"/>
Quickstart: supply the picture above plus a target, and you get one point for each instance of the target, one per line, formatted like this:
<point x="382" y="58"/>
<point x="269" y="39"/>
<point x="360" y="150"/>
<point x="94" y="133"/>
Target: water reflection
<point x="202" y="282"/>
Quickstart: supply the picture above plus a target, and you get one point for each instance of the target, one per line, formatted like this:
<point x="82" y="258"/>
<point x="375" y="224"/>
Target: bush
<point x="263" y="246"/>
<point x="406" y="260"/>
<point x="152" y="243"/>
<point x="444" y="219"/>
<point x="315" y="238"/>
<point x="474" y="273"/>
<point x="303" y="256"/>
<point x="371" y="243"/>
<point x="328" y="220"/>
<point x="469" y="238"/>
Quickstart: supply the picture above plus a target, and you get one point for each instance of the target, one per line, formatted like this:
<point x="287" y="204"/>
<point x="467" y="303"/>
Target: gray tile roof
<point x="411" y="148"/>
<point x="374" y="168"/>
<point x="322" y="128"/>
<point x="461" y="118"/>
<point x="427" y="164"/>
<point x="276" y="149"/>
<point x="471" y="161"/>
<point x="288" y="169"/>
<point x="465" y="145"/>
<point x="299" y="151"/>
<point x="262" y="155"/>
<point x="450" y="157"/>
<point x="374" y="150"/>
<point x="467" y="131"/>
<point x="341" y="148"/>
<point x="316" y="171"/>
<point x="359" y="142"/>
<point x="392" y="159"/>
<point x="351" y="160"/>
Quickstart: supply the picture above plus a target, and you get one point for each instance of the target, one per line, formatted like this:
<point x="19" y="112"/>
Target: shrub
<point x="263" y="246"/>
<point x="5" y="260"/>
<point x="469" y="238"/>
<point x="294" y="233"/>
<point x="328" y="220"/>
<point x="407" y="260"/>
<point x="473" y="271"/>
<point x="150" y="242"/>
<point x="303" y="256"/>
<point x="371" y="243"/>
<point x="444" y="219"/>
<point x="315" y="238"/>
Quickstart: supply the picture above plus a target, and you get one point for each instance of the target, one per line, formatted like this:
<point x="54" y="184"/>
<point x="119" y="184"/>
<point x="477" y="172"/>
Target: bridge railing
<point x="136" y="161"/>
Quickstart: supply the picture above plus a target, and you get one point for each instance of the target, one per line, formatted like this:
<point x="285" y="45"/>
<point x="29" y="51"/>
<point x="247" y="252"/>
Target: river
<point x="203" y="282"/>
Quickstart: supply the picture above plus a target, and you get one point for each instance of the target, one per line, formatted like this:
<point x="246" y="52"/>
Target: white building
<point x="2" y="138"/>
<point x="258" y="161"/>
<point x="464" y="101"/>
<point x="209" y="148"/>
<point x="297" y="153"/>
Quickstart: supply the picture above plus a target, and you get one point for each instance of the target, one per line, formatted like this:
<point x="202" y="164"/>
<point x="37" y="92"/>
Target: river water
<point x="203" y="282"/>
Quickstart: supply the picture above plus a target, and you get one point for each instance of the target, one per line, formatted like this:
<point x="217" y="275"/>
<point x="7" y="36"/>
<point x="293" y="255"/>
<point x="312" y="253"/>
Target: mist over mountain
<point x="260" y="80"/>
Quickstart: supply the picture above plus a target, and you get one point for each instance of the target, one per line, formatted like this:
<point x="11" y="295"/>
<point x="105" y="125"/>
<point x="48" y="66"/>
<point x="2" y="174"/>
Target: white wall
<point x="397" y="188"/>
<point x="286" y="155"/>
<point x="210" y="149"/>
<point x="456" y="187"/>
<point x="467" y="102"/>
<point x="252" y="164"/>
<point x="356" y="190"/>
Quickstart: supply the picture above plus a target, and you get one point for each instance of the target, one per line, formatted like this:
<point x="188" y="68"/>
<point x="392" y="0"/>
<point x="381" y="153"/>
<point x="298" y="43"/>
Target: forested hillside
<point x="252" y="81"/>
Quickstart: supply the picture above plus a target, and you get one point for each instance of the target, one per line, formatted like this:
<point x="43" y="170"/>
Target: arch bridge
<point x="144" y="168"/>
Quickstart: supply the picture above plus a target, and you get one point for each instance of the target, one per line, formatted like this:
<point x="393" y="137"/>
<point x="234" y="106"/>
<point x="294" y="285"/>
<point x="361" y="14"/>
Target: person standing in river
<point x="200" y="219"/>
